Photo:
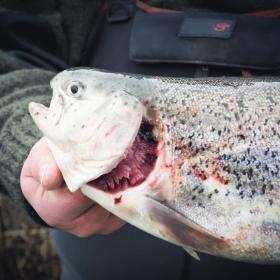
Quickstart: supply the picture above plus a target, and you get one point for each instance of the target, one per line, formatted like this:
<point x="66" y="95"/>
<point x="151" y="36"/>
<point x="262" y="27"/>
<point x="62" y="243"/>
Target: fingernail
<point x="43" y="173"/>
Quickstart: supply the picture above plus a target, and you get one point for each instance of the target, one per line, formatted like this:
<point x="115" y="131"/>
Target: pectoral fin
<point x="192" y="253"/>
<point x="180" y="230"/>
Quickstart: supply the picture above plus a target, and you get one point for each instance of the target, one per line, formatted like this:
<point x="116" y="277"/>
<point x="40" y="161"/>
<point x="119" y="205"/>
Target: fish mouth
<point x="138" y="162"/>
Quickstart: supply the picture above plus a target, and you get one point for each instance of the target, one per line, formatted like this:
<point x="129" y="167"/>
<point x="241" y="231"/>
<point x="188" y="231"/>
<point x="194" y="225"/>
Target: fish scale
<point x="243" y="152"/>
<point x="214" y="186"/>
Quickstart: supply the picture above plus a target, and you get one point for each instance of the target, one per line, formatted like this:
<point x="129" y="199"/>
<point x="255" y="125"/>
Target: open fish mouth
<point x="138" y="162"/>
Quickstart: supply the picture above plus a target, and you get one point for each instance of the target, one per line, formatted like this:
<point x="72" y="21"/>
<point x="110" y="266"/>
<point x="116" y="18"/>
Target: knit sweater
<point x="21" y="83"/>
<point x="71" y="23"/>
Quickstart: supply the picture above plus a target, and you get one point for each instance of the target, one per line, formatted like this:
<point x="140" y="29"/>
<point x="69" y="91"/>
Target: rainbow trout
<point x="195" y="162"/>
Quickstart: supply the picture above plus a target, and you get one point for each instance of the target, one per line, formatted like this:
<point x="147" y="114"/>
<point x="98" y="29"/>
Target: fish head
<point x="90" y="123"/>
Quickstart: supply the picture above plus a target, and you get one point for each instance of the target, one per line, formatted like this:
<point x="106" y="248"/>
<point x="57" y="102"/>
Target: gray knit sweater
<point x="71" y="21"/>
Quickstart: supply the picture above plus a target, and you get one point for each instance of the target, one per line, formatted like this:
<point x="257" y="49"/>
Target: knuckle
<point x="106" y="231"/>
<point x="82" y="232"/>
<point x="52" y="222"/>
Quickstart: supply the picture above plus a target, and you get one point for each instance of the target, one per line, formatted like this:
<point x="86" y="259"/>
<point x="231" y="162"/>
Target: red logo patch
<point x="222" y="26"/>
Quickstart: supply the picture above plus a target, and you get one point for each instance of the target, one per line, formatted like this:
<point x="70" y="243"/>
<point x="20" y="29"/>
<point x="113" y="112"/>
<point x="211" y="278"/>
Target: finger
<point x="112" y="224"/>
<point x="66" y="204"/>
<point x="50" y="175"/>
<point x="43" y="166"/>
<point x="29" y="186"/>
<point x="56" y="207"/>
<point x="96" y="220"/>
<point x="72" y="212"/>
<point x="90" y="222"/>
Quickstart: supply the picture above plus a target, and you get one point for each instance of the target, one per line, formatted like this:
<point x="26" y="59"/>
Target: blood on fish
<point x="118" y="200"/>
<point x="202" y="175"/>
<point x="139" y="161"/>
<point x="111" y="130"/>
<point x="220" y="179"/>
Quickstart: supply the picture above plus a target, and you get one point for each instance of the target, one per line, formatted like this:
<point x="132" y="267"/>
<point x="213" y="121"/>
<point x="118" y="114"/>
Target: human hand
<point x="43" y="186"/>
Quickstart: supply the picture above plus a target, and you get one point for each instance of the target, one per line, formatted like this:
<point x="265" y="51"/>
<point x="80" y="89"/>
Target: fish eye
<point x="75" y="89"/>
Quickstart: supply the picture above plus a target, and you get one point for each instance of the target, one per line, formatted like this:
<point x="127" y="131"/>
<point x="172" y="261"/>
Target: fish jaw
<point x="90" y="134"/>
<point x="39" y="114"/>
<point x="47" y="119"/>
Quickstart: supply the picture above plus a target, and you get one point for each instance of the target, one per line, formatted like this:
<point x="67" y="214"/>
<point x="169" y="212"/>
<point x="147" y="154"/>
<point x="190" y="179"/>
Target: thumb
<point x="43" y="166"/>
<point x="50" y="175"/>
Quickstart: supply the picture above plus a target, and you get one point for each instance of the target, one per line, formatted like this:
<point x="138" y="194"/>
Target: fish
<point x="195" y="162"/>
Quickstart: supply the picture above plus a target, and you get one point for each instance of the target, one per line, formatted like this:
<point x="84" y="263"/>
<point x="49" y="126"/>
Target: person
<point x="38" y="40"/>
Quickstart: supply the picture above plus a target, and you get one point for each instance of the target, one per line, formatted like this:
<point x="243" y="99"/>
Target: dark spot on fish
<point x="195" y="188"/>
<point x="263" y="189"/>
<point x="216" y="191"/>
<point x="266" y="168"/>
<point x="191" y="136"/>
<point x="266" y="151"/>
<point x="194" y="197"/>
<point x="270" y="201"/>
<point x="238" y="186"/>
<point x="273" y="131"/>
<point x="274" y="154"/>
<point x="236" y="116"/>
<point x="241" y="136"/>
<point x="250" y="172"/>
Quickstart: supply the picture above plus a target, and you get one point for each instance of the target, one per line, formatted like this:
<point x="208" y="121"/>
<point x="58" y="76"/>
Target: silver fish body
<point x="215" y="186"/>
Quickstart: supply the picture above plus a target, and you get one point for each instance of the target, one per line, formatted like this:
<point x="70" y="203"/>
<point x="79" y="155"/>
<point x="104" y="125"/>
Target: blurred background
<point x="25" y="248"/>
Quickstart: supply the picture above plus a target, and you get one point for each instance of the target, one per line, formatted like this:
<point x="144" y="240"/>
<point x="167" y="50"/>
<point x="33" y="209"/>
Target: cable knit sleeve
<point x="18" y="133"/>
